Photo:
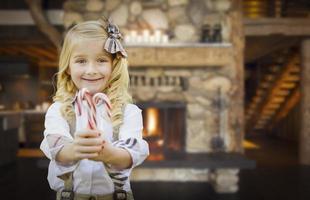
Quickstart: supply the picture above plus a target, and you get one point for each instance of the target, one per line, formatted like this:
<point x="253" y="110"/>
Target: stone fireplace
<point x="187" y="97"/>
<point x="197" y="89"/>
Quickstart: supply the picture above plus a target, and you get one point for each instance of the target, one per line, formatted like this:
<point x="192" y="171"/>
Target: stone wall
<point x="199" y="89"/>
<point x="182" y="20"/>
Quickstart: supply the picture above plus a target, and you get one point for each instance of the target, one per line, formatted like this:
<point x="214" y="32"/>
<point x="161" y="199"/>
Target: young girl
<point x="93" y="134"/>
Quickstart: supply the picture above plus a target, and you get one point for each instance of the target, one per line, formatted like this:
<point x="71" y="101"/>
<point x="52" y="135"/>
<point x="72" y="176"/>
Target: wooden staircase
<point x="275" y="96"/>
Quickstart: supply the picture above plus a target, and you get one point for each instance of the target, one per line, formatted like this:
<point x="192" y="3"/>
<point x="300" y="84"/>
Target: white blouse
<point x="91" y="177"/>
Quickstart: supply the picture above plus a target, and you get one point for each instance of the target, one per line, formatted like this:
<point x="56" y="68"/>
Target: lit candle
<point x="157" y="36"/>
<point x="152" y="39"/>
<point x="133" y="36"/>
<point x="139" y="39"/>
<point x="146" y="36"/>
<point x="165" y="38"/>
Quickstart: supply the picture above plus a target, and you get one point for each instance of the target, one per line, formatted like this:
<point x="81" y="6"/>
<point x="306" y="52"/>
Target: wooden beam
<point x="23" y="17"/>
<point x="259" y="47"/>
<point x="304" y="135"/>
<point x="8" y="51"/>
<point x="12" y="53"/>
<point x="24" y="42"/>
<point x="168" y="55"/>
<point x="42" y="52"/>
<point x="282" y="26"/>
<point x="43" y="63"/>
<point x="24" y="52"/>
<point x="43" y="24"/>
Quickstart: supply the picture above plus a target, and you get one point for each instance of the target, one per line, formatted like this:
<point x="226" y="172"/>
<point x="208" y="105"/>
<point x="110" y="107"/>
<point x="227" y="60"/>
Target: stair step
<point x="287" y="85"/>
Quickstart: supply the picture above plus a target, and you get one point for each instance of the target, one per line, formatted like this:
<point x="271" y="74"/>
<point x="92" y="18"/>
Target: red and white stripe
<point x="101" y="98"/>
<point x="89" y="102"/>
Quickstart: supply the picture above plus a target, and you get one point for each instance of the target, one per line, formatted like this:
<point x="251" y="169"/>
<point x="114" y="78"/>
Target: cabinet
<point x="33" y="127"/>
<point x="8" y="138"/>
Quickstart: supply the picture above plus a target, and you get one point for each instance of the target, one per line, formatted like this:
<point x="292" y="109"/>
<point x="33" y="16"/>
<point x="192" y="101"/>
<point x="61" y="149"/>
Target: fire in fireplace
<point x="164" y="129"/>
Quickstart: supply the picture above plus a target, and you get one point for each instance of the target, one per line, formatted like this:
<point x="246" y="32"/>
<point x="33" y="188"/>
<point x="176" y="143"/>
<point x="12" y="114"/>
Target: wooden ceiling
<point x="40" y="54"/>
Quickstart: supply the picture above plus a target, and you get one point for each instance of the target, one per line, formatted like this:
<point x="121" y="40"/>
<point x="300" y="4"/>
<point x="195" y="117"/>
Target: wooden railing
<point x="275" y="8"/>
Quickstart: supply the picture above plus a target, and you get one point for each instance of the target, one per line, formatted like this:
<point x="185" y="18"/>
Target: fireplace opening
<point x="164" y="129"/>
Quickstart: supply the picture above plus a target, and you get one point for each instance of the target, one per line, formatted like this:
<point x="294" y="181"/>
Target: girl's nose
<point x="91" y="69"/>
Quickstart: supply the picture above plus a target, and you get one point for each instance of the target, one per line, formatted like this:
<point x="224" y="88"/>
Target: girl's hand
<point x="117" y="157"/>
<point x="105" y="151"/>
<point x="86" y="145"/>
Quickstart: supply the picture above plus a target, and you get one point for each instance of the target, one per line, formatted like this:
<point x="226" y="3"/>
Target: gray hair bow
<point x="113" y="44"/>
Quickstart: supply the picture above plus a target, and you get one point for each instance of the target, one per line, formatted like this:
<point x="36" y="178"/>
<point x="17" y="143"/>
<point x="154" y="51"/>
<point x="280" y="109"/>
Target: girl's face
<point x="90" y="65"/>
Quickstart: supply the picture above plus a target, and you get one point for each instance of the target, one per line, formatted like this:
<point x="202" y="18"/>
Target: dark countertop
<point x="13" y="119"/>
<point x="9" y="112"/>
<point x="19" y="112"/>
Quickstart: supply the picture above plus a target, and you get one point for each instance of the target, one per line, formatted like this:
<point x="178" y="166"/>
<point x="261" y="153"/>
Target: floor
<point x="277" y="177"/>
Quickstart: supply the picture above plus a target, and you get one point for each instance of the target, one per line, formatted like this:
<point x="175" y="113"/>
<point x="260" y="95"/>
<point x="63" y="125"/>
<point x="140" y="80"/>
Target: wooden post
<point x="304" y="145"/>
<point x="238" y="41"/>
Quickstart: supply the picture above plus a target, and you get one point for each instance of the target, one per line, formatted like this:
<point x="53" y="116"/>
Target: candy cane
<point x="84" y="98"/>
<point x="100" y="98"/>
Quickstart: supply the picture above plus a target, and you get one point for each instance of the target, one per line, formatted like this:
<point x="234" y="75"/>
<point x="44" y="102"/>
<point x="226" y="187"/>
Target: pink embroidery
<point x="58" y="138"/>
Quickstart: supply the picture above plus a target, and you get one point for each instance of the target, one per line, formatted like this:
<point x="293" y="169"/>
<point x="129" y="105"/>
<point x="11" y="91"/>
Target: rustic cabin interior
<point x="223" y="85"/>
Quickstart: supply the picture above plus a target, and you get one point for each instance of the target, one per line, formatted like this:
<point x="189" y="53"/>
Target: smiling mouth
<point x="92" y="80"/>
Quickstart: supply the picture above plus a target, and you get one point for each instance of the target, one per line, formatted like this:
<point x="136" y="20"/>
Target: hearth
<point x="164" y="129"/>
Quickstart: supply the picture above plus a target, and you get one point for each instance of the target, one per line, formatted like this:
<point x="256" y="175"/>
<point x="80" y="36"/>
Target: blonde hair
<point x="118" y="83"/>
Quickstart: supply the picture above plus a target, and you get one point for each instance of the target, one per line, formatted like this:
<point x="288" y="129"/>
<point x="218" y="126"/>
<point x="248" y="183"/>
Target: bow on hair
<point x="113" y="44"/>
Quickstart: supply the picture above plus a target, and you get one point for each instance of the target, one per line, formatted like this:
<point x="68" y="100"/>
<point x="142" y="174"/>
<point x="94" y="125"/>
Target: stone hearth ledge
<point x="222" y="180"/>
<point x="219" y="169"/>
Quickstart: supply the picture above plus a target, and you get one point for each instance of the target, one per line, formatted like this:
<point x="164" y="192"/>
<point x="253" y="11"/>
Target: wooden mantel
<point x="180" y="55"/>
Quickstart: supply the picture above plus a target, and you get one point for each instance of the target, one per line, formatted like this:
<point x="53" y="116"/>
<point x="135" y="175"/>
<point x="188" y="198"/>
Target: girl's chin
<point x="92" y="90"/>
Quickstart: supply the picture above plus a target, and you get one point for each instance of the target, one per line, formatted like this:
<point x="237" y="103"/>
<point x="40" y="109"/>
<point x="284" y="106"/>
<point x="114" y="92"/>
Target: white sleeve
<point x="56" y="125"/>
<point x="130" y="135"/>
